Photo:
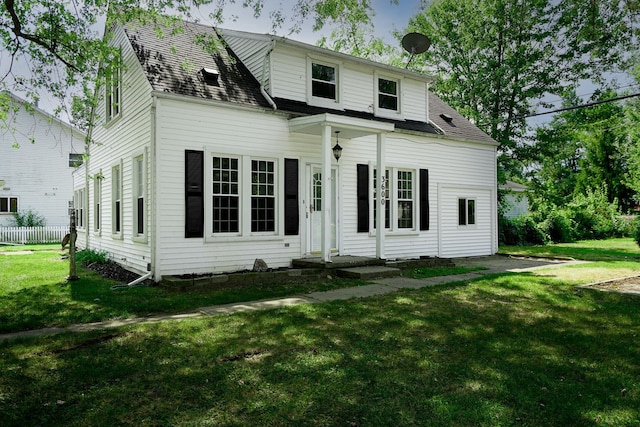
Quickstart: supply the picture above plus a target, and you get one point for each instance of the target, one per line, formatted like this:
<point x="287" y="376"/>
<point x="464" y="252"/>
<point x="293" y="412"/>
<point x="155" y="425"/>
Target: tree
<point x="58" y="46"/>
<point x="495" y="59"/>
<point x="585" y="150"/>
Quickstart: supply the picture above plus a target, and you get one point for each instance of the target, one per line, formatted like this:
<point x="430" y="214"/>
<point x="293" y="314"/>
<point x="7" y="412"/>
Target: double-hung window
<point x="113" y="87"/>
<point x="139" y="181"/>
<point x="8" y="204"/>
<point x="244" y="195"/>
<point x="78" y="201"/>
<point x="466" y="211"/>
<point x="323" y="84"/>
<point x="388" y="94"/>
<point x="226" y="195"/>
<point x="405" y="203"/>
<point x="263" y="196"/>
<point x="116" y="200"/>
<point x="399" y="199"/>
<point x="97" y="202"/>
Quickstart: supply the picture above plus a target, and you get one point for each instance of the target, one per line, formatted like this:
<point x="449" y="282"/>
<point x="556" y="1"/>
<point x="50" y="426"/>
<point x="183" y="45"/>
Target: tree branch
<point x="17" y="30"/>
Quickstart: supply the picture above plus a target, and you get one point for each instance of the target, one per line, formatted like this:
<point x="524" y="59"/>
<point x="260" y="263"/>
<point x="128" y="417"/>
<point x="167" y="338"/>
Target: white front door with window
<point x="315" y="209"/>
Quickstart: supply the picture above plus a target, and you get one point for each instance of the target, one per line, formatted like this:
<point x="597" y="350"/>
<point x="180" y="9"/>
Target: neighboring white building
<point x="516" y="199"/>
<point x="38" y="154"/>
<point x="203" y="163"/>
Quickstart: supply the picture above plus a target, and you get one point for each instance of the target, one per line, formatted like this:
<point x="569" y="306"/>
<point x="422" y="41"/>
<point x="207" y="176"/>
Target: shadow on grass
<point x="511" y="350"/>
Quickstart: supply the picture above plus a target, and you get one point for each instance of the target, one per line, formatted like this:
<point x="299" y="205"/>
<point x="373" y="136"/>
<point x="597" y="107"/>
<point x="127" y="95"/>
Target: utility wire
<point x="575" y="107"/>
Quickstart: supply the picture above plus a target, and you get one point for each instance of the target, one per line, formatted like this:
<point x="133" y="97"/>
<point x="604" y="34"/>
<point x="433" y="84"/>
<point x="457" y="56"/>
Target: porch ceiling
<point x="349" y="127"/>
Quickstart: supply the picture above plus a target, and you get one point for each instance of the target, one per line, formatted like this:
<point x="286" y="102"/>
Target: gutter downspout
<point x="262" y="90"/>
<point x="152" y="193"/>
<point x="87" y="147"/>
<point x="132" y="284"/>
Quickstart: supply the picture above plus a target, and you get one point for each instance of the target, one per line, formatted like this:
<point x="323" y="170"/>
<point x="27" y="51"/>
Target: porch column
<point x="326" y="193"/>
<point x="380" y="200"/>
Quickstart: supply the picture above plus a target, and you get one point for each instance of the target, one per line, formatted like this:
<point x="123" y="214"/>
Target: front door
<point x="315" y="208"/>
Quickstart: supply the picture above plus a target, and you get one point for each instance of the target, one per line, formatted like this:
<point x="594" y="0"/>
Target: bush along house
<point x="275" y="149"/>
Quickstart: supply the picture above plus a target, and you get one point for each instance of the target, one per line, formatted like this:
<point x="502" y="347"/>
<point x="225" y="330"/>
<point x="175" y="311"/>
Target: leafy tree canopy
<point x="496" y="59"/>
<point x="60" y="44"/>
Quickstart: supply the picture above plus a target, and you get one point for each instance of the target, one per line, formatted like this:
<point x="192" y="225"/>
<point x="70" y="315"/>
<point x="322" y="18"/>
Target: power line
<point x="575" y="107"/>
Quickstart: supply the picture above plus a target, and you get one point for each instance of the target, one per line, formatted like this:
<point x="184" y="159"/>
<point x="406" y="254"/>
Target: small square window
<point x="466" y="211"/>
<point x="75" y="160"/>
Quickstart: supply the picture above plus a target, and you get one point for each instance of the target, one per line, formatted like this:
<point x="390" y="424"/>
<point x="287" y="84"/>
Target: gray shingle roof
<point x="458" y="126"/>
<point x="172" y="64"/>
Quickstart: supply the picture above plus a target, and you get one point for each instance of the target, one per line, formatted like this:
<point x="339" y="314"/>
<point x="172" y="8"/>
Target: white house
<point x="203" y="163"/>
<point x="38" y="154"/>
<point x="516" y="199"/>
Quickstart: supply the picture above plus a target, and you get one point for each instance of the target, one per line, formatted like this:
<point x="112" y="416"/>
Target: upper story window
<point x="75" y="160"/>
<point x="323" y="81"/>
<point x="323" y="85"/>
<point x="388" y="102"/>
<point x="388" y="94"/>
<point x="113" y="88"/>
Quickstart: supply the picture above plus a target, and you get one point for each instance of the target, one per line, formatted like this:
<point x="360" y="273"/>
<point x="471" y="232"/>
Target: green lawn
<point x="523" y="349"/>
<point x="34" y="293"/>
<point x="590" y="250"/>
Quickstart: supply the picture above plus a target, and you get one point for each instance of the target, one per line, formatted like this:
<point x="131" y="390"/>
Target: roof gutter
<point x="262" y="90"/>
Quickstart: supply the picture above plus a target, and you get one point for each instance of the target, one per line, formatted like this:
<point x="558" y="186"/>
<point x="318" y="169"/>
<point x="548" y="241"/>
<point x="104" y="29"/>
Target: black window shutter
<point x="424" y="199"/>
<point x="194" y="193"/>
<point x="363" y="198"/>
<point x="291" y="209"/>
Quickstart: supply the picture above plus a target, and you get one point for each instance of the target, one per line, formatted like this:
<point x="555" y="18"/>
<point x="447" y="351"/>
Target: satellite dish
<point x="415" y="43"/>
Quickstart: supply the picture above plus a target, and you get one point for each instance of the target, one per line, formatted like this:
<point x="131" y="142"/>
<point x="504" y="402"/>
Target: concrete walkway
<point x="493" y="264"/>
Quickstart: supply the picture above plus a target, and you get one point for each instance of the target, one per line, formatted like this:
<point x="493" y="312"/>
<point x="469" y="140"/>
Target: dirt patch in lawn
<point x="627" y="285"/>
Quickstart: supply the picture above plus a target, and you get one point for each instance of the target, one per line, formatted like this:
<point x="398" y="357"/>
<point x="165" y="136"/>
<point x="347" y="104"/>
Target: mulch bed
<point x="113" y="271"/>
<point x="627" y="285"/>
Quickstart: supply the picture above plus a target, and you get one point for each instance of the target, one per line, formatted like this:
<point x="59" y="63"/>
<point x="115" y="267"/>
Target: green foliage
<point x="89" y="256"/>
<point x="636" y="232"/>
<point x="522" y="230"/>
<point x="585" y="149"/>
<point x="29" y="218"/>
<point x="586" y="216"/>
<point x="559" y="226"/>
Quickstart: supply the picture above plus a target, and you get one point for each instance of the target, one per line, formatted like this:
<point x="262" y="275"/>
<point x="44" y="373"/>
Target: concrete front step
<point x="368" y="272"/>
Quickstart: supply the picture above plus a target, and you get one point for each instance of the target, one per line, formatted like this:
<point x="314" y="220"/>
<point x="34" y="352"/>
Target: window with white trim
<point x="388" y="94"/>
<point x="8" y="205"/>
<point x="113" y="87"/>
<point x="116" y="200"/>
<point x="139" y="190"/>
<point x="78" y="203"/>
<point x="244" y="195"/>
<point x="97" y="202"/>
<point x="226" y="195"/>
<point x="400" y="199"/>
<point x="466" y="211"/>
<point x="263" y="196"/>
<point x="323" y="83"/>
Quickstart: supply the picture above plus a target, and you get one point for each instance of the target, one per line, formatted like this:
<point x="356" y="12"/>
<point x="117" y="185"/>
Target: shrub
<point x="520" y="231"/>
<point x="28" y="218"/>
<point x="89" y="256"/>
<point x="559" y="227"/>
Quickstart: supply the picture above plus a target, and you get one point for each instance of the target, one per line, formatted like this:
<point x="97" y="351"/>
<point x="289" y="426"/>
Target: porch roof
<point x="349" y="127"/>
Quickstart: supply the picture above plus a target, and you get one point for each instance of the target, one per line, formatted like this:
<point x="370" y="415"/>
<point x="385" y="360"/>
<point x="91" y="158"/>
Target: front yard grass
<point x="34" y="293"/>
<point x="525" y="349"/>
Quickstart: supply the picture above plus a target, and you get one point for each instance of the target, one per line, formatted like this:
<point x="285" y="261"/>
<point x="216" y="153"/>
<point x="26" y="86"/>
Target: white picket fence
<point x="24" y="235"/>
